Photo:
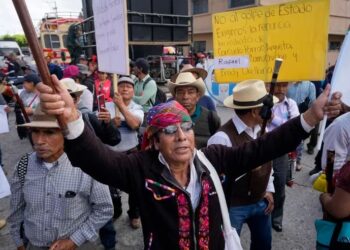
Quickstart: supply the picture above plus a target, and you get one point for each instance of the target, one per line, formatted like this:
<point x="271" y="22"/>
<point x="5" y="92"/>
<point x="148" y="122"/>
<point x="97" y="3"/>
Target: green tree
<point x="19" y="38"/>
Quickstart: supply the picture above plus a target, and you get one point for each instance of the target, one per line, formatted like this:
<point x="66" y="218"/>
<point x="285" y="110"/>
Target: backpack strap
<point x="22" y="167"/>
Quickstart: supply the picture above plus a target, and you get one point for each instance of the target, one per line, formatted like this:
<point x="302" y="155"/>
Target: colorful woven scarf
<point x="161" y="116"/>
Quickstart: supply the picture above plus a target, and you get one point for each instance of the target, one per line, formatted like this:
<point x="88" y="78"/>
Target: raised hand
<point x="60" y="103"/>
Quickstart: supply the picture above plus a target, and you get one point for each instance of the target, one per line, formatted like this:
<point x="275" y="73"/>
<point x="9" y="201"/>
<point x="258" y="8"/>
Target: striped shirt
<point x="60" y="202"/>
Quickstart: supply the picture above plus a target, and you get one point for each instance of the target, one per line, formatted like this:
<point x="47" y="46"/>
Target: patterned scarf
<point x="161" y="116"/>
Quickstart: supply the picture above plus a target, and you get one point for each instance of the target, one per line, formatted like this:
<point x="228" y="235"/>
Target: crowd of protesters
<point x="66" y="193"/>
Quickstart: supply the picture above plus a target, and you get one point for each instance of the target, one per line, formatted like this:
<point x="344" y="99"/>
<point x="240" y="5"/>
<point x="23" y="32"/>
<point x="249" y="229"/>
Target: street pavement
<point x="301" y="207"/>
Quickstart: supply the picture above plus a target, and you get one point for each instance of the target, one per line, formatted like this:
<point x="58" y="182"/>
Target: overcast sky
<point x="9" y="22"/>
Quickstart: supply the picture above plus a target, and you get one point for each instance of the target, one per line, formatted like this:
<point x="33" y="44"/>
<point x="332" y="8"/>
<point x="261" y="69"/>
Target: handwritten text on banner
<point x="111" y="36"/>
<point x="297" y="32"/>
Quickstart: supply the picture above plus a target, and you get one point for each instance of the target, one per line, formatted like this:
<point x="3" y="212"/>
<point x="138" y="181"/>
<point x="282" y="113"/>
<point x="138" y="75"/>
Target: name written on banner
<point x="231" y="62"/>
<point x="297" y="32"/>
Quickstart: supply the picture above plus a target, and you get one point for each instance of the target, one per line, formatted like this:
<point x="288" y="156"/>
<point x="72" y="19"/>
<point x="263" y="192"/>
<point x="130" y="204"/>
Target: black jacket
<point x="160" y="218"/>
<point x="108" y="133"/>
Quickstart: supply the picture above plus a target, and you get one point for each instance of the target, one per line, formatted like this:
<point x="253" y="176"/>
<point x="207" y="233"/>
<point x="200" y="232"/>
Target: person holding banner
<point x="179" y="205"/>
<point x="128" y="122"/>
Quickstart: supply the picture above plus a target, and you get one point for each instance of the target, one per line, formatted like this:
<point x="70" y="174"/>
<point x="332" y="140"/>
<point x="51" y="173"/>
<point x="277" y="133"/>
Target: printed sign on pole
<point x="296" y="31"/>
<point x="111" y="33"/>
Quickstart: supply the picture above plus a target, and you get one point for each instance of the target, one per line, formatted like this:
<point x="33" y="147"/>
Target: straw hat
<point x="189" y="68"/>
<point x="41" y="120"/>
<point x="187" y="79"/>
<point x="248" y="94"/>
<point x="72" y="86"/>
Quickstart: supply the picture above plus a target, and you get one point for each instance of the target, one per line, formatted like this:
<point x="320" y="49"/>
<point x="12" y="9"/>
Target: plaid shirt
<point x="59" y="203"/>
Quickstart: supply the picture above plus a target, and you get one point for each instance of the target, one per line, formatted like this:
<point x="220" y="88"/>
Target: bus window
<point x="52" y="41"/>
<point x="64" y="38"/>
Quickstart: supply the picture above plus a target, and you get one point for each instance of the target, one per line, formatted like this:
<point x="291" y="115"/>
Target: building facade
<point x="202" y="10"/>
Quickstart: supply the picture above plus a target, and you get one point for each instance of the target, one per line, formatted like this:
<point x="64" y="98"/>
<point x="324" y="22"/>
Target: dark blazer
<point x="160" y="217"/>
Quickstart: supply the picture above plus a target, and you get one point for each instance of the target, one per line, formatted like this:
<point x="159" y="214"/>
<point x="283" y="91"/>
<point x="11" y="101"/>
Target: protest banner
<point x="340" y="81"/>
<point x="111" y="33"/>
<point x="296" y="31"/>
<point x="4" y="185"/>
<point x="4" y="126"/>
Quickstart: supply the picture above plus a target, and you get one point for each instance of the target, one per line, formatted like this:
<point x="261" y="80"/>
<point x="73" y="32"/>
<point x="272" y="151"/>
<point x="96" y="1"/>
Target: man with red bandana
<point x="179" y="206"/>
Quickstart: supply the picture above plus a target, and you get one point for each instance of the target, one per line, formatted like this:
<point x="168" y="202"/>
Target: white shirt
<point x="86" y="100"/>
<point x="282" y="112"/>
<point x="223" y="139"/>
<point x="129" y="138"/>
<point x="194" y="187"/>
<point x="337" y="138"/>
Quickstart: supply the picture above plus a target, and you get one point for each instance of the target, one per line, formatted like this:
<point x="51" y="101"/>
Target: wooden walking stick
<point x="266" y="112"/>
<point x="20" y="103"/>
<point x="29" y="31"/>
<point x="115" y="86"/>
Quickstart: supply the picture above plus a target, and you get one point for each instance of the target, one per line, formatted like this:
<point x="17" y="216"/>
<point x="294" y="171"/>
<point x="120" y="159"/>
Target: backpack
<point x="21" y="173"/>
<point x="22" y="168"/>
<point x="160" y="95"/>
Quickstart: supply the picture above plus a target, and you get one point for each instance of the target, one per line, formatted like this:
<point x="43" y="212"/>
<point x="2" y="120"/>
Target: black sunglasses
<point x="172" y="129"/>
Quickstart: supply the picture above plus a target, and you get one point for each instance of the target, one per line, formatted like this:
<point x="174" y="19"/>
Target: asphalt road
<point x="301" y="207"/>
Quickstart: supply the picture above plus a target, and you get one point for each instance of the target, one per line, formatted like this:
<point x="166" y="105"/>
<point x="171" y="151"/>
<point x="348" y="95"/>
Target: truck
<point x="159" y="30"/>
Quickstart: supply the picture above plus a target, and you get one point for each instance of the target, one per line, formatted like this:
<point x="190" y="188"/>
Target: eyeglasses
<point x="172" y="129"/>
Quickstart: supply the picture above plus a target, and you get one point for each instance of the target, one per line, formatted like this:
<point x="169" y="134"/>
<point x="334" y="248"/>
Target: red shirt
<point x="104" y="89"/>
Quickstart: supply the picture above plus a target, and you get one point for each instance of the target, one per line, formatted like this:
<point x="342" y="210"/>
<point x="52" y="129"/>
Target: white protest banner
<point x="4" y="125"/>
<point x="4" y="185"/>
<point x="111" y="33"/>
<point x="340" y="80"/>
<point x="341" y="77"/>
<point x="228" y="62"/>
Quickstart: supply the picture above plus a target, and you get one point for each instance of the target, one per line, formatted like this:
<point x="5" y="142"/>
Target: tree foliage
<point x="19" y="38"/>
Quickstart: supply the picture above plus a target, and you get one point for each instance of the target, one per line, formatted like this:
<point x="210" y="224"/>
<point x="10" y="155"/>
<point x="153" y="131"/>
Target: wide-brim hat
<point x="187" y="79"/>
<point x="248" y="94"/>
<point x="72" y="86"/>
<point x="202" y="73"/>
<point x="41" y="120"/>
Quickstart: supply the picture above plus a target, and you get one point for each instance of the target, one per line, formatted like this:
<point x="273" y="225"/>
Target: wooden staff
<point x="29" y="31"/>
<point x="268" y="102"/>
<point x="115" y="86"/>
<point x="20" y="103"/>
